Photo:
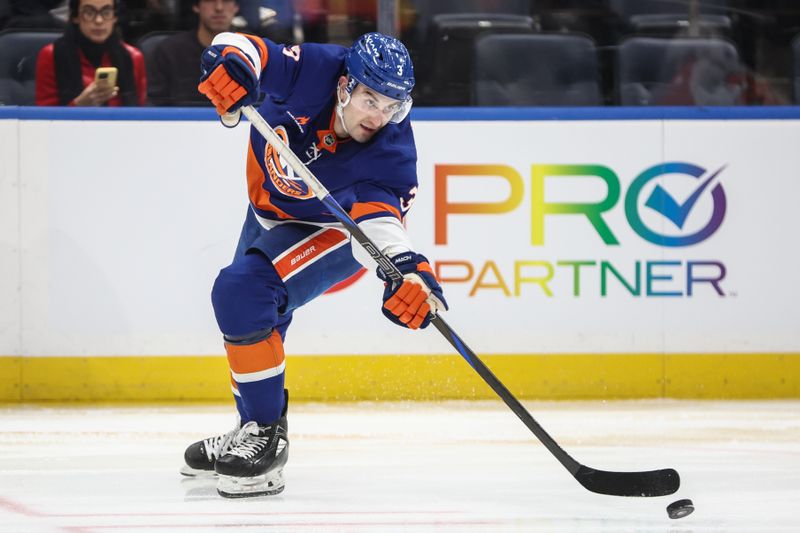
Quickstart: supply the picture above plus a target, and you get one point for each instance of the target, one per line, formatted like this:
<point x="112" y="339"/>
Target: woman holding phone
<point x="90" y="65"/>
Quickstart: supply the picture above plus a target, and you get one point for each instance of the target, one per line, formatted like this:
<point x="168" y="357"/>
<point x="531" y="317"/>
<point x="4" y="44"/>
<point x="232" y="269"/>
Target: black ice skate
<point x="254" y="465"/>
<point x="201" y="456"/>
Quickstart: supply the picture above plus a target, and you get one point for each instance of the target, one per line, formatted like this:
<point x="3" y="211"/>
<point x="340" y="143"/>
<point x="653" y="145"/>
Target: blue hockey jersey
<point x="373" y="179"/>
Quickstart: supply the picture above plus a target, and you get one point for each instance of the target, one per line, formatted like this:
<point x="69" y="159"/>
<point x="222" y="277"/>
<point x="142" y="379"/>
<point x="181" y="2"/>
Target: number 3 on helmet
<point x="383" y="64"/>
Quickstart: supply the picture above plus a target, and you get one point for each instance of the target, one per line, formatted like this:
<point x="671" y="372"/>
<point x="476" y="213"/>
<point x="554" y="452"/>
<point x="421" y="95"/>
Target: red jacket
<point x="47" y="89"/>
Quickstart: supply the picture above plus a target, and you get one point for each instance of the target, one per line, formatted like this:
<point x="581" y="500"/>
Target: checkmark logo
<point x="663" y="202"/>
<point x="675" y="211"/>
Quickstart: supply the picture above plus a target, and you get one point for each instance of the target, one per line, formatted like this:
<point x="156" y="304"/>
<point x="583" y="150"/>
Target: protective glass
<point x="90" y="13"/>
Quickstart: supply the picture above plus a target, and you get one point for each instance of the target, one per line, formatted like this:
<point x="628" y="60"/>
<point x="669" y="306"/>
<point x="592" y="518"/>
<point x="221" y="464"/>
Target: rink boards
<point x="595" y="253"/>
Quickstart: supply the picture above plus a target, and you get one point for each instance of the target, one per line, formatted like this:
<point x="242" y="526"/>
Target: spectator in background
<point x="65" y="70"/>
<point x="174" y="70"/>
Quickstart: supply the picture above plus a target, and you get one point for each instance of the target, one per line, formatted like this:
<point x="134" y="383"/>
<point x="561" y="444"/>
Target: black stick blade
<point x="651" y="483"/>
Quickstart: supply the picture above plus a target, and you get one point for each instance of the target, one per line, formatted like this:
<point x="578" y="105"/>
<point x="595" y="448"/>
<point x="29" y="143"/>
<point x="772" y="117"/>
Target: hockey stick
<point x="649" y="483"/>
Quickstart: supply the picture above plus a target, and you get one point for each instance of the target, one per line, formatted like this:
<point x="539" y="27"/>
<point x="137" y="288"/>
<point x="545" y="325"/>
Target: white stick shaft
<point x="284" y="151"/>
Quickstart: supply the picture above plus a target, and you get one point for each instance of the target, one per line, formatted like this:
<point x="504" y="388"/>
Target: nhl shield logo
<point x="329" y="140"/>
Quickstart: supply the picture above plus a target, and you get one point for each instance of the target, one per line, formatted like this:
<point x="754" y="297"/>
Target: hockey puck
<point x="680" y="508"/>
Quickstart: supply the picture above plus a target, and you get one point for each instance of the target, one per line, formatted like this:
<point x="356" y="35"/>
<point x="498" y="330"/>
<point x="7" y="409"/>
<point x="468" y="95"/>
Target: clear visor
<point x="394" y="110"/>
<point x="402" y="112"/>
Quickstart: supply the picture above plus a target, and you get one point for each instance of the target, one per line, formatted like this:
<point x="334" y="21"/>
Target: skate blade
<point x="187" y="470"/>
<point x="244" y="487"/>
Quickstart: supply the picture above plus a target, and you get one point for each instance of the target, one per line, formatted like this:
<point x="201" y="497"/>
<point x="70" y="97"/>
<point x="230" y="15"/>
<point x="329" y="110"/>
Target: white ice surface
<point x="452" y="466"/>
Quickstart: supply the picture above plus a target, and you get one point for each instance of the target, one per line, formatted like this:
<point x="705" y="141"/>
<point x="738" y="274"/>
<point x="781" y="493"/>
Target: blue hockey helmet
<point x="383" y="64"/>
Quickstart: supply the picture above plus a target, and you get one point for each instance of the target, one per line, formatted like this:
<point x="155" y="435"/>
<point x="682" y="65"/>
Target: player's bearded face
<point x="367" y="112"/>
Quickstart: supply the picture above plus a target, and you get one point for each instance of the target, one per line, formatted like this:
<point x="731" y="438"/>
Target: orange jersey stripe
<point x="255" y="179"/>
<point x="233" y="50"/>
<point x="306" y="252"/>
<point x="360" y="209"/>
<point x="261" y="47"/>
<point x="263" y="355"/>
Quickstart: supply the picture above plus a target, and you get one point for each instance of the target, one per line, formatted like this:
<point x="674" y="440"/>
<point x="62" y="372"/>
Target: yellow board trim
<point x="409" y="377"/>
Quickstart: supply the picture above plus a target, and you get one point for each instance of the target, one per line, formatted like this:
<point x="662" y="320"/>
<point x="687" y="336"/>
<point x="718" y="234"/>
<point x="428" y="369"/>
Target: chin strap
<point x="340" y="110"/>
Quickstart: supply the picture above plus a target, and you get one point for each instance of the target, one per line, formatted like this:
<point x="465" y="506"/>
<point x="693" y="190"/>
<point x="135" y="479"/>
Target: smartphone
<point x="106" y="76"/>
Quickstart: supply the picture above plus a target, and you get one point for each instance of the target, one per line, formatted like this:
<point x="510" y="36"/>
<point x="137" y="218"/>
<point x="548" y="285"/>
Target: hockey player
<point x="344" y="112"/>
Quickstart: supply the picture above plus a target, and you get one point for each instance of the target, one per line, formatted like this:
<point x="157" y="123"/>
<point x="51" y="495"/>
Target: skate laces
<point x="248" y="441"/>
<point x="217" y="446"/>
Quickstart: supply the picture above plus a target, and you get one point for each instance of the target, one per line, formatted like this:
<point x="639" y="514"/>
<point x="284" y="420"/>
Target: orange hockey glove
<point x="411" y="303"/>
<point x="229" y="78"/>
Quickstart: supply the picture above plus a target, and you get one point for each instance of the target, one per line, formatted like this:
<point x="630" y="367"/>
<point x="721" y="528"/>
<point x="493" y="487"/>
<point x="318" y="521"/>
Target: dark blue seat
<point x="652" y="71"/>
<point x="536" y="70"/>
<point x="426" y="10"/>
<point x="18" y="64"/>
<point x="796" y="63"/>
<point x="449" y="72"/>
<point x="148" y="43"/>
<point x="661" y="16"/>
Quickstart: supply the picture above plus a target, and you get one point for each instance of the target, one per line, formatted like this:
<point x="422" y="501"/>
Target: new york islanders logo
<point x="281" y="175"/>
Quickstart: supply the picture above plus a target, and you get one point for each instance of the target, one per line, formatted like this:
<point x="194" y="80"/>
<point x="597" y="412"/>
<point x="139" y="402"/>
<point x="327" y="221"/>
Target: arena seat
<point x="18" y="63"/>
<point x="148" y="43"/>
<point x="536" y="69"/>
<point x="452" y="45"/>
<point x="653" y="71"/>
<point x="796" y="70"/>
<point x="671" y="16"/>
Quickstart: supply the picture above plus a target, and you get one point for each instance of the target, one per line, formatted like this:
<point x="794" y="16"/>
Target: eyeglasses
<point x="90" y="13"/>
